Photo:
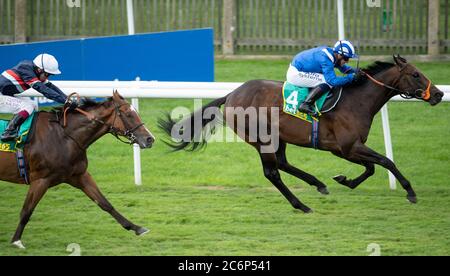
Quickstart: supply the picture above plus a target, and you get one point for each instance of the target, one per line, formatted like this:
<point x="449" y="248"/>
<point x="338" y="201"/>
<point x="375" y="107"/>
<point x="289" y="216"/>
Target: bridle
<point x="418" y="94"/>
<point x="129" y="131"/>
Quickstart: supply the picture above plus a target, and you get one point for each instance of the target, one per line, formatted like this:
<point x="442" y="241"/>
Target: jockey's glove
<point x="72" y="105"/>
<point x="359" y="75"/>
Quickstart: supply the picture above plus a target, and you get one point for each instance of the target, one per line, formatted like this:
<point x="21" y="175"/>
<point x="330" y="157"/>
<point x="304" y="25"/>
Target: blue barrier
<point x="167" y="56"/>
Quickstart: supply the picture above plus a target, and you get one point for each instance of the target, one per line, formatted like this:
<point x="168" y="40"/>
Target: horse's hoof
<point x="323" y="190"/>
<point x="18" y="244"/>
<point x="412" y="199"/>
<point x="340" y="179"/>
<point x="307" y="210"/>
<point x="142" y="231"/>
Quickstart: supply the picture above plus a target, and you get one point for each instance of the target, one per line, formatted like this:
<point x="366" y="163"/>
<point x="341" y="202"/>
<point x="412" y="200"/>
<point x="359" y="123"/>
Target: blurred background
<point x="241" y="27"/>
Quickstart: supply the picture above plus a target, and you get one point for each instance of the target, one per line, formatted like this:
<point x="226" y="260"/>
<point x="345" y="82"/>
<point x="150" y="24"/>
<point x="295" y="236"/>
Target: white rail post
<point x="340" y="11"/>
<point x="130" y="15"/>
<point x="388" y="143"/>
<point x="134" y="101"/>
<point x="137" y="150"/>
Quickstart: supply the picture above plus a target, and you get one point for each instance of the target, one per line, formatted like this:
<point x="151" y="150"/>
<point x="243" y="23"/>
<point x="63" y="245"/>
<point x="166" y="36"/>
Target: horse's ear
<point x="117" y="96"/>
<point x="401" y="62"/>
<point x="402" y="58"/>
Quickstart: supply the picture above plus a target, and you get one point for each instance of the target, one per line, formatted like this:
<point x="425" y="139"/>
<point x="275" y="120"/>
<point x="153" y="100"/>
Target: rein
<point x="418" y="94"/>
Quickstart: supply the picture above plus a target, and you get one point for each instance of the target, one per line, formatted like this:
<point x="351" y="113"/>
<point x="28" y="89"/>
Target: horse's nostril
<point x="150" y="140"/>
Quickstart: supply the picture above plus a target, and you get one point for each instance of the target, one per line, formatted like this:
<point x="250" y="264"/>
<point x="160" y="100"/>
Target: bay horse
<point x="56" y="153"/>
<point x="342" y="131"/>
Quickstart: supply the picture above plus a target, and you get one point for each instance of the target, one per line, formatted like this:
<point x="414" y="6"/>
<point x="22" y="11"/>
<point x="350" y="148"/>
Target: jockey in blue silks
<point x="315" y="68"/>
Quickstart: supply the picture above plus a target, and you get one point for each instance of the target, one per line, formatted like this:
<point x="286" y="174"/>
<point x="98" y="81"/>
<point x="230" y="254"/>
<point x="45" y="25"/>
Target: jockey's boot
<point x="12" y="129"/>
<point x="308" y="105"/>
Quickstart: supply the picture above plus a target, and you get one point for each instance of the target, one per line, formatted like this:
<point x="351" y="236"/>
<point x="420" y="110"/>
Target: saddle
<point x="294" y="96"/>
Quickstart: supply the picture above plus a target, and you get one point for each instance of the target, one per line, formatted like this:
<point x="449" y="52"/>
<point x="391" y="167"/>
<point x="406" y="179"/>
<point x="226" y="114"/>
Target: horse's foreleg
<point x="87" y="184"/>
<point x="353" y="183"/>
<point x="284" y="165"/>
<point x="35" y="194"/>
<point x="269" y="163"/>
<point x="366" y="154"/>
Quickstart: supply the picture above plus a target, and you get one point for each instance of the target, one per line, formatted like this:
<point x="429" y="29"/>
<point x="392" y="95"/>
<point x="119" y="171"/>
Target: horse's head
<point x="125" y="121"/>
<point x="415" y="84"/>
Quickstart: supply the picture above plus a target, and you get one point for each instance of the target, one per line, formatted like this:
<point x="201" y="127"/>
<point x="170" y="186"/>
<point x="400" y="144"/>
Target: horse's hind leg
<point x="269" y="162"/>
<point x="87" y="184"/>
<point x="35" y="194"/>
<point x="353" y="183"/>
<point x="284" y="165"/>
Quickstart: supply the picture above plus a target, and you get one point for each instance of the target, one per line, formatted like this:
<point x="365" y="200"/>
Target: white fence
<point x="163" y="90"/>
<point x="187" y="90"/>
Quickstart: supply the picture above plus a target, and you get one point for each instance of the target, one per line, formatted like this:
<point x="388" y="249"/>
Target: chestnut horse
<point x="56" y="153"/>
<point x="342" y="131"/>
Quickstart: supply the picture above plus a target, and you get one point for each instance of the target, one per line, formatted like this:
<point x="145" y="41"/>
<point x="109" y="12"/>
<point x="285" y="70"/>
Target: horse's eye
<point x="416" y="75"/>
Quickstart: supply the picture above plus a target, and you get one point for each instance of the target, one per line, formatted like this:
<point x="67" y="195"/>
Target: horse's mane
<point x="86" y="103"/>
<point x="378" y="67"/>
<point x="373" y="69"/>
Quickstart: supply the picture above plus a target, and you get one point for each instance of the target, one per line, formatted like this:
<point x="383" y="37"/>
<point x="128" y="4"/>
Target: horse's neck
<point x="84" y="131"/>
<point x="371" y="97"/>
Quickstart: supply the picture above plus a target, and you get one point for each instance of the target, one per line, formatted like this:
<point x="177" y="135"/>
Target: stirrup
<point x="7" y="137"/>
<point x="307" y="110"/>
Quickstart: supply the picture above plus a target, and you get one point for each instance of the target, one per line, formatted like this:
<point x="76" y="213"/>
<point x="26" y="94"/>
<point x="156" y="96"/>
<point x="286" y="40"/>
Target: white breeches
<point x="304" y="79"/>
<point x="9" y="104"/>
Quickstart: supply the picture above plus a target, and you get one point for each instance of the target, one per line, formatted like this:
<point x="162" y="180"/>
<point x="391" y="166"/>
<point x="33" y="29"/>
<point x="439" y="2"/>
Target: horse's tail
<point x="188" y="134"/>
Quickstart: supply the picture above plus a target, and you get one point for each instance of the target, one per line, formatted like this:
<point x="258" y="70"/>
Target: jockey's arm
<point x="346" y="69"/>
<point x="47" y="89"/>
<point x="50" y="91"/>
<point x="331" y="78"/>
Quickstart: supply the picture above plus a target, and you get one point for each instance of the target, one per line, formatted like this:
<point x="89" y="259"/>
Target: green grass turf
<point x="217" y="201"/>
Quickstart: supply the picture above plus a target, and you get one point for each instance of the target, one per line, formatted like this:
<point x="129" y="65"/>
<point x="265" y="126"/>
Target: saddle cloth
<point x="22" y="137"/>
<point x="294" y="96"/>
